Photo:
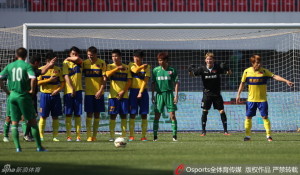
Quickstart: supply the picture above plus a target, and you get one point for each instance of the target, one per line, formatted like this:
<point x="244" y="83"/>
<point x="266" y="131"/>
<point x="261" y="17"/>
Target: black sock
<point x="224" y="121"/>
<point x="28" y="131"/>
<point x="204" y="120"/>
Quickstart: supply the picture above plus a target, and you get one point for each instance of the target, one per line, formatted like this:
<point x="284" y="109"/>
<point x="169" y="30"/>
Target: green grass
<point x="160" y="157"/>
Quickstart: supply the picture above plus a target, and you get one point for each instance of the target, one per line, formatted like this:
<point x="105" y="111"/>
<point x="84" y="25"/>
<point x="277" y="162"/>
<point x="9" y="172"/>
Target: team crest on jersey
<point x="170" y="72"/>
<point x="213" y="71"/>
<point x="98" y="65"/>
<point x="55" y="71"/>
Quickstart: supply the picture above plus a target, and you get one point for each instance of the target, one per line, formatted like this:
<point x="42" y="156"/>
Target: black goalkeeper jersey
<point x="211" y="79"/>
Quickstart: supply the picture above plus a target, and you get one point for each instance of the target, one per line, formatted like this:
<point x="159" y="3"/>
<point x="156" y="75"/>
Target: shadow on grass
<point x="64" y="169"/>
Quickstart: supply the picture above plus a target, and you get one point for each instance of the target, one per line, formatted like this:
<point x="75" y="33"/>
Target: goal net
<point x="234" y="45"/>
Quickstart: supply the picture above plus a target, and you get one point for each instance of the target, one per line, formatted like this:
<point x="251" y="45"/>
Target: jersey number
<point x="16" y="74"/>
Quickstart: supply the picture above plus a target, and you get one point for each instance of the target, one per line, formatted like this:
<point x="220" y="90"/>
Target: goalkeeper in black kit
<point x="210" y="75"/>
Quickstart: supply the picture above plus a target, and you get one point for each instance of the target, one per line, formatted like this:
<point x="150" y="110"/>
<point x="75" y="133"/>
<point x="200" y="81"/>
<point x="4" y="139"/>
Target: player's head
<point x="21" y="53"/>
<point x="49" y="56"/>
<point x="74" y="51"/>
<point x="256" y="62"/>
<point x="209" y="59"/>
<point x="35" y="60"/>
<point x="138" y="55"/>
<point x="92" y="52"/>
<point x="116" y="56"/>
<point x="162" y="58"/>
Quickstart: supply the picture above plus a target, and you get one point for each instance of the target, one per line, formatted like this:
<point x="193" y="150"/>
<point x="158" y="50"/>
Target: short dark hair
<point x="92" y="49"/>
<point x="21" y="52"/>
<point x="74" y="48"/>
<point x="50" y="55"/>
<point x="35" y="58"/>
<point x="163" y="56"/>
<point x="138" y="53"/>
<point x="116" y="51"/>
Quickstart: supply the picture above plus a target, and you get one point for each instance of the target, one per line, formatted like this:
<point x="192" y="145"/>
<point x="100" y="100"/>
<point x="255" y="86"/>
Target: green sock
<point x="15" y="135"/>
<point x="155" y="127"/>
<point x="6" y="128"/>
<point x="36" y="136"/>
<point x="174" y="127"/>
<point x="24" y="127"/>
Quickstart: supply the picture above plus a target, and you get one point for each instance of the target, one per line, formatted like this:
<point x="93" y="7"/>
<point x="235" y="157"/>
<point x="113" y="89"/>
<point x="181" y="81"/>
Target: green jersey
<point x="164" y="79"/>
<point x="18" y="74"/>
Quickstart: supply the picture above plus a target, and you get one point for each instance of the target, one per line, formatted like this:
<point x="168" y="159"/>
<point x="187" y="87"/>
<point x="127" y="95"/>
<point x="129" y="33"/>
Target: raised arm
<point x="139" y="68"/>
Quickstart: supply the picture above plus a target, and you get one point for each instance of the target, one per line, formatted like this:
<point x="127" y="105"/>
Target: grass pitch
<point x="161" y="157"/>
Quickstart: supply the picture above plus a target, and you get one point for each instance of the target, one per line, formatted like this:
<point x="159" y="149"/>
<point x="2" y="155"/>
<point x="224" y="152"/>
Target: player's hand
<point x="224" y="66"/>
<point x="139" y="95"/>
<point x="122" y="68"/>
<point x="120" y="95"/>
<point x="145" y="66"/>
<point x="52" y="62"/>
<point x="55" y="92"/>
<point x="175" y="100"/>
<point x="53" y="79"/>
<point x="31" y="92"/>
<point x="229" y="72"/>
<point x="192" y="67"/>
<point x="98" y="94"/>
<point x="289" y="83"/>
<point x="237" y="99"/>
<point x="73" y="94"/>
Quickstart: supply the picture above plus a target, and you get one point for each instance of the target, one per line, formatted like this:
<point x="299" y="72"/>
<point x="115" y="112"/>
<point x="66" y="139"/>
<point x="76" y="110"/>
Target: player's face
<point x="162" y="62"/>
<point x="256" y="65"/>
<point x="91" y="55"/>
<point x="74" y="54"/>
<point x="116" y="58"/>
<point x="209" y="61"/>
<point x="137" y="60"/>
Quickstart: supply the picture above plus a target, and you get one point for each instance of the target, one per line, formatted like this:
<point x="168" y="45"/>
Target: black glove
<point x="192" y="67"/>
<point x="224" y="66"/>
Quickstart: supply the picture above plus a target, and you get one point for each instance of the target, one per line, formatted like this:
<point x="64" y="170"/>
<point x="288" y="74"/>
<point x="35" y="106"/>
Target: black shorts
<point x="216" y="100"/>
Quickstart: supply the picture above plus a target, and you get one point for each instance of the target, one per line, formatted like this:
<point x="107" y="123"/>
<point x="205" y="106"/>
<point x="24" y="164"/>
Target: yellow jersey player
<point x="120" y="80"/>
<point x="51" y="83"/>
<point x="139" y="97"/>
<point x="72" y="72"/>
<point x="95" y="80"/>
<point x="256" y="77"/>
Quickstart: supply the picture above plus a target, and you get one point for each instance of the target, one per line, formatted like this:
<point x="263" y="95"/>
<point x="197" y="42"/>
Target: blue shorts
<point x="116" y="106"/>
<point x="91" y="104"/>
<point x="49" y="104"/>
<point x="251" y="108"/>
<point x="135" y="103"/>
<point x="73" y="104"/>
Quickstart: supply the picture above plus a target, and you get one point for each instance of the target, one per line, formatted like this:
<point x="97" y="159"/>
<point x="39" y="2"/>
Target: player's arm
<point x="241" y="88"/>
<point x="143" y="86"/>
<point x="56" y="91"/>
<point x="69" y="83"/>
<point x="137" y="69"/>
<point x="32" y="85"/>
<point x="279" y="78"/>
<point x="76" y="60"/>
<point x="48" y="65"/>
<point x="194" y="71"/>
<point x="225" y="69"/>
<point x="176" y="92"/>
<point x="102" y="87"/>
<point x="121" y="93"/>
<point x="111" y="72"/>
<point x="46" y="81"/>
<point x="3" y="87"/>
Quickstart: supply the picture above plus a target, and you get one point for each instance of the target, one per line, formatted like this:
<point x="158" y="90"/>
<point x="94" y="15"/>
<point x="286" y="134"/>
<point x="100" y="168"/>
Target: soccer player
<point x="72" y="72"/>
<point x="139" y="97"/>
<point x="211" y="79"/>
<point x="18" y="74"/>
<point x="164" y="82"/>
<point x="7" y="122"/>
<point x="95" y="80"/>
<point x="51" y="83"/>
<point x="120" y="81"/>
<point x="256" y="77"/>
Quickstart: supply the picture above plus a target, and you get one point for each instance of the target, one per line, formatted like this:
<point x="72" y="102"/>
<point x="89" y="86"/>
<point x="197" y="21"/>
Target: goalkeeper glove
<point x="224" y="66"/>
<point x="192" y="67"/>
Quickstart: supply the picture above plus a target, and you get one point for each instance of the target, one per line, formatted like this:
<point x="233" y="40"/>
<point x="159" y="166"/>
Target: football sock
<point x="204" y="119"/>
<point x="131" y="127"/>
<point x="88" y="127"/>
<point x="68" y="126"/>
<point x="78" y="125"/>
<point x="36" y="136"/>
<point x="155" y="127"/>
<point x="96" y="126"/>
<point x="24" y="126"/>
<point x="15" y="135"/>
<point x="144" y="127"/>
<point x="123" y="127"/>
<point x="42" y="124"/>
<point x="55" y="126"/>
<point x="224" y="121"/>
<point x="112" y="125"/>
<point x="6" y="128"/>
<point x="174" y="127"/>
<point x="248" y="126"/>
<point x="267" y="125"/>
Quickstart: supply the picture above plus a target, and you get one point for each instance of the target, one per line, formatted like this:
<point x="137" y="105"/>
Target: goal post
<point x="232" y="43"/>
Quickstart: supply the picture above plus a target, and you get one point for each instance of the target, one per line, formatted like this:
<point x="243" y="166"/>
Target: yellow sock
<point x="267" y="125"/>
<point x="42" y="124"/>
<point x="123" y="127"/>
<point x="55" y="126"/>
<point x="96" y="126"/>
<point x="131" y="127"/>
<point x="78" y="125"/>
<point x="112" y="125"/>
<point x="248" y="126"/>
<point x="88" y="127"/>
<point x="68" y="126"/>
<point x="144" y="127"/>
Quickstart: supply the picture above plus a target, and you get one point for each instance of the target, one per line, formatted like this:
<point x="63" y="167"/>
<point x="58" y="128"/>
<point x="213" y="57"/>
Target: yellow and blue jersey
<point x="75" y="73"/>
<point x="51" y="86"/>
<point x="137" y="78"/>
<point x="93" y="73"/>
<point x="257" y="83"/>
<point x="118" y="80"/>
